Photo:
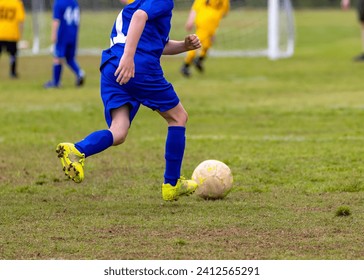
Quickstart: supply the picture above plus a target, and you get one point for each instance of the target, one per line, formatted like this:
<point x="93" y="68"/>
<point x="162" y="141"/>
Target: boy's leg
<point x="185" y="69"/>
<point x="174" y="185"/>
<point x="80" y="74"/>
<point x="58" y="56"/>
<point x="95" y="142"/>
<point x="56" y="74"/>
<point x="13" y="73"/>
<point x="206" y="42"/>
<point x="13" y="52"/>
<point x="174" y="151"/>
<point x="72" y="63"/>
<point x="72" y="156"/>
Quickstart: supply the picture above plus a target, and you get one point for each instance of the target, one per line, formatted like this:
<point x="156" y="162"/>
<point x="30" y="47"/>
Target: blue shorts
<point x="152" y="91"/>
<point x="65" y="50"/>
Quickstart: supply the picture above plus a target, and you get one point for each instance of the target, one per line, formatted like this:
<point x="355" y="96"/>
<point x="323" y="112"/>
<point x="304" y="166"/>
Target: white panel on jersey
<point x="120" y="37"/>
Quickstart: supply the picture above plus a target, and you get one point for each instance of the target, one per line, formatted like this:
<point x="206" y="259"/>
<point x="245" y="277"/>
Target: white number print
<point x="72" y="16"/>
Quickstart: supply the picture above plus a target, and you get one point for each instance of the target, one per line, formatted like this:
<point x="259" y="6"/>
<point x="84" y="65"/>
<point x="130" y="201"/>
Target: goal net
<point x="252" y="27"/>
<point x="36" y="28"/>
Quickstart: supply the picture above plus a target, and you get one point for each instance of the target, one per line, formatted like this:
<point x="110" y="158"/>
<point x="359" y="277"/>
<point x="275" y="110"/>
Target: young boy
<point x="205" y="15"/>
<point x="131" y="75"/>
<point x="12" y="16"/>
<point x="65" y="26"/>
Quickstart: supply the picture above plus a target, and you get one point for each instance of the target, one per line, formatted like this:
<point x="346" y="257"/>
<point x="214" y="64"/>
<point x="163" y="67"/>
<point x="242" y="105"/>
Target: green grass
<point x="291" y="131"/>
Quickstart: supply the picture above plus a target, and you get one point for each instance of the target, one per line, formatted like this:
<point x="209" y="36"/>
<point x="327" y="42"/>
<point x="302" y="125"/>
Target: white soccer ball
<point x="214" y="179"/>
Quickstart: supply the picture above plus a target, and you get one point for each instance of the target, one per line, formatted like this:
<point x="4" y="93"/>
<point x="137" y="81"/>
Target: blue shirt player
<point x="65" y="25"/>
<point x="131" y="75"/>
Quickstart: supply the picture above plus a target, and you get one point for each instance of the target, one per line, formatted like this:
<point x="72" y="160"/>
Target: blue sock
<point x="74" y="66"/>
<point x="95" y="143"/>
<point x="57" y="71"/>
<point x="175" y="148"/>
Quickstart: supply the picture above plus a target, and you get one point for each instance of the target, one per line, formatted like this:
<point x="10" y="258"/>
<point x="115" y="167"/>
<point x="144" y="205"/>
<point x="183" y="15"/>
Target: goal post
<point x="281" y="35"/>
<point x="257" y="29"/>
<point x="252" y="28"/>
<point x="38" y="11"/>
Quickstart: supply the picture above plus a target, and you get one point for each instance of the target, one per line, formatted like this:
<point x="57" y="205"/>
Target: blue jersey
<point x="68" y="14"/>
<point x="154" y="37"/>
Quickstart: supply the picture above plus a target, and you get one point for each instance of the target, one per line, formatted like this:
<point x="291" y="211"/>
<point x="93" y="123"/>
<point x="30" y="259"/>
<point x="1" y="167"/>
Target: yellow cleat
<point x="183" y="187"/>
<point x="72" y="161"/>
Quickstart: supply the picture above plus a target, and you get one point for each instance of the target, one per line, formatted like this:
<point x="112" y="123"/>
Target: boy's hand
<point x="125" y="70"/>
<point x="192" y="42"/>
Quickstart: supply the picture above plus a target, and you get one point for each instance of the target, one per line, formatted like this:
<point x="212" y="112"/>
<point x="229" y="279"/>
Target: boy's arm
<point x="191" y="42"/>
<point x="196" y="5"/>
<point x="126" y="67"/>
<point x="190" y="20"/>
<point x="55" y="26"/>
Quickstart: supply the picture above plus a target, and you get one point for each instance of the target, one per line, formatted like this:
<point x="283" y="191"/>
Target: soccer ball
<point x="214" y="179"/>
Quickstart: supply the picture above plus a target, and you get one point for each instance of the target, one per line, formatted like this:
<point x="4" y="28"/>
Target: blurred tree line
<point x="115" y="4"/>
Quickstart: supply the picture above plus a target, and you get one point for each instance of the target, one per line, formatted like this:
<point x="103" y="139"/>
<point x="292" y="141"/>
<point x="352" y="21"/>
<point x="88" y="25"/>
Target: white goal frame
<point x="280" y="32"/>
<point x="37" y="11"/>
<point x="274" y="36"/>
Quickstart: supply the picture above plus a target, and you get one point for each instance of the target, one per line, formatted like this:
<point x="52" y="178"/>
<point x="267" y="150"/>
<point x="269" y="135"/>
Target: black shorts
<point x="10" y="47"/>
<point x="361" y="10"/>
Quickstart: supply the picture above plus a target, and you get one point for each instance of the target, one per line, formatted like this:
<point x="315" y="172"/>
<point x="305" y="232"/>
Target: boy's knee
<point x="119" y="141"/>
<point x="119" y="137"/>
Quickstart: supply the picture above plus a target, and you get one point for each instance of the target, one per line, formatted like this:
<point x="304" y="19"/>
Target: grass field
<point x="291" y="131"/>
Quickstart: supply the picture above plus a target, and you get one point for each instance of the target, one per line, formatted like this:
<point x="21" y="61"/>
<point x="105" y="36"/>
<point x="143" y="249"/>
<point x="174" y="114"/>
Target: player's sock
<point x="75" y="67"/>
<point x="95" y="143"/>
<point x="174" y="150"/>
<point x="57" y="71"/>
<point x="185" y="70"/>
<point x="13" y="66"/>
<point x="198" y="63"/>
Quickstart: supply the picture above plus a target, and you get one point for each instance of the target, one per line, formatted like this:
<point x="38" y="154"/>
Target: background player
<point x="126" y="2"/>
<point x="360" y="8"/>
<point x="205" y="15"/>
<point x="12" y="16"/>
<point x="131" y="75"/>
<point x="65" y="26"/>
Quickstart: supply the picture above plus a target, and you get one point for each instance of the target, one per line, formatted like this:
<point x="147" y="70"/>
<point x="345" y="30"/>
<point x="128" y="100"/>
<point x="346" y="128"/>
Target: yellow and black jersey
<point x="218" y="7"/>
<point x="12" y="13"/>
<point x="210" y="12"/>
<point x="216" y="4"/>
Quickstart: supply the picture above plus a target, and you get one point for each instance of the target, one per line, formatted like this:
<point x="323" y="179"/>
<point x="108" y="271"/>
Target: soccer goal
<point x="254" y="29"/>
<point x="281" y="30"/>
<point x="38" y="25"/>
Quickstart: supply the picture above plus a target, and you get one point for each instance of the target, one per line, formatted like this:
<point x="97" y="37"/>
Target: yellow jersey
<point x="210" y="11"/>
<point x="12" y="13"/>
